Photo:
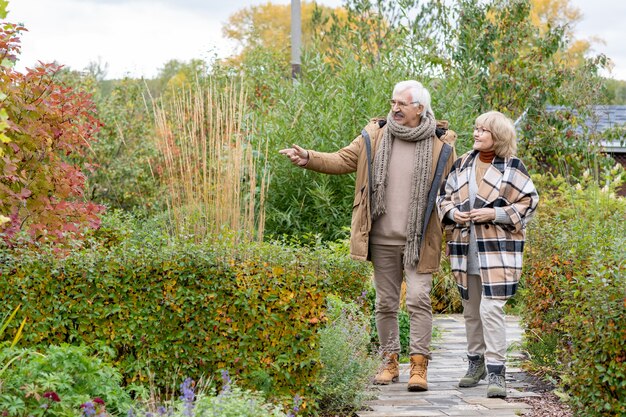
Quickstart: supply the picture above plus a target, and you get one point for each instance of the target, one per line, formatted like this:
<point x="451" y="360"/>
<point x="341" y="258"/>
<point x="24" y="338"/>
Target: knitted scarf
<point x="420" y="178"/>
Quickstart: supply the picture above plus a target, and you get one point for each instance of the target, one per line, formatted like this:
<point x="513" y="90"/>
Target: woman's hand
<point x="461" y="217"/>
<point x="482" y="215"/>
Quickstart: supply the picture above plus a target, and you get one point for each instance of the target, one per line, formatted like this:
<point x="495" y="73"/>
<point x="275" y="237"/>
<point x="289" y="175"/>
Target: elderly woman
<point x="485" y="204"/>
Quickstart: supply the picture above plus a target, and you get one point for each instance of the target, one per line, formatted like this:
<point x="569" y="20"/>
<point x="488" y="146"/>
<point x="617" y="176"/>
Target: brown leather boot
<point x="419" y="365"/>
<point x="390" y="371"/>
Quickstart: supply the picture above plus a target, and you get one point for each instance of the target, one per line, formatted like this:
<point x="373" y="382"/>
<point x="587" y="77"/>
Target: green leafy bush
<point x="57" y="380"/>
<point x="473" y="56"/>
<point x="444" y="295"/>
<point x="573" y="288"/>
<point x="347" y="366"/>
<point x="125" y="173"/>
<point x="183" y="309"/>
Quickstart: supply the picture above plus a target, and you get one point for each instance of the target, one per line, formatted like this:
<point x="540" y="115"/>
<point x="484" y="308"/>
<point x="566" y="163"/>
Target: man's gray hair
<point x="419" y="93"/>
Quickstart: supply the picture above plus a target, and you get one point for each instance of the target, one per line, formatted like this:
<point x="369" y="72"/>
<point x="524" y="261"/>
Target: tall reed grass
<point x="209" y="166"/>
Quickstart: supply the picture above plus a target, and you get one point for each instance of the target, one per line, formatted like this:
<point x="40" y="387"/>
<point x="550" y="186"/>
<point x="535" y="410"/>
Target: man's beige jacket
<point x="354" y="158"/>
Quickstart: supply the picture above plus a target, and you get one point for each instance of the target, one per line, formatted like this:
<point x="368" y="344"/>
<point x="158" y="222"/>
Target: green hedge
<point x="574" y="293"/>
<point x="185" y="309"/>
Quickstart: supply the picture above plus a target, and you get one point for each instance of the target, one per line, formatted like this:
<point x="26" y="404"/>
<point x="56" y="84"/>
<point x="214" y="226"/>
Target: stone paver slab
<point x="448" y="364"/>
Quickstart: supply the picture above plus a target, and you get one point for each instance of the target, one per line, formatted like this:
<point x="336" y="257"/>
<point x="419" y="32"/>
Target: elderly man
<point x="400" y="162"/>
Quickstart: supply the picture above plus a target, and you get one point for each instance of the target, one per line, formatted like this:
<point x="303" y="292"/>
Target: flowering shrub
<point x="236" y="402"/>
<point x="573" y="291"/>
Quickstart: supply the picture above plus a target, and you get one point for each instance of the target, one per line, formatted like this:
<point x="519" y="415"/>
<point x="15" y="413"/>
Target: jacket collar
<point x="498" y="162"/>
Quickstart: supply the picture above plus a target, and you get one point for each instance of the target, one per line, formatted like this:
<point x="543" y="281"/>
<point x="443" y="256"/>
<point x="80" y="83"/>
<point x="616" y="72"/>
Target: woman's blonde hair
<point x="502" y="131"/>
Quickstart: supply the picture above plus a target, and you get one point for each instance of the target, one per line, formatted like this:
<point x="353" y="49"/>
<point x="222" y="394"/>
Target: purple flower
<point x="297" y="400"/>
<point x="226" y="380"/>
<point x="88" y="409"/>
<point x="225" y="377"/>
<point x="188" y="396"/>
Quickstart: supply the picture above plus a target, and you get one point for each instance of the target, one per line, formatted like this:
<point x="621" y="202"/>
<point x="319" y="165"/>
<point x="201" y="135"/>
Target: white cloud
<point x="136" y="37"/>
<point x="604" y="19"/>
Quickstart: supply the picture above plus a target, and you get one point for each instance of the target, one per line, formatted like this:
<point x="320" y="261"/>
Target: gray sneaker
<point x="475" y="372"/>
<point x="497" y="381"/>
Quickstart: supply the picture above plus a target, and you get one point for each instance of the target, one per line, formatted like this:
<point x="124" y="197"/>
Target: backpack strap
<point x="368" y="148"/>
<point x="446" y="151"/>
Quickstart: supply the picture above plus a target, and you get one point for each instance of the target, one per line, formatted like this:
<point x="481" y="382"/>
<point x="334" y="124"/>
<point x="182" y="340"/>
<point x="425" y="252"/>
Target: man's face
<point x="405" y="111"/>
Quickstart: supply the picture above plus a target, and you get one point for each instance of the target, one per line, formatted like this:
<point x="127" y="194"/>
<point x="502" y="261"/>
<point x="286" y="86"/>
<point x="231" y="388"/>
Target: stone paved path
<point x="443" y="397"/>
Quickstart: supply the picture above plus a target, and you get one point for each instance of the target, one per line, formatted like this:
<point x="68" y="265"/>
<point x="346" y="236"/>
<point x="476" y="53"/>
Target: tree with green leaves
<point x="473" y="56"/>
<point x="615" y="92"/>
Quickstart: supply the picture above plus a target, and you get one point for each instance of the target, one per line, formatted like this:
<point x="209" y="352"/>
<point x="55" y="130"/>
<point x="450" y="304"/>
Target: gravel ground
<point x="548" y="404"/>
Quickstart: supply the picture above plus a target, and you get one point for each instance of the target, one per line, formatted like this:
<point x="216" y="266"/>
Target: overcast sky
<point x="136" y="37"/>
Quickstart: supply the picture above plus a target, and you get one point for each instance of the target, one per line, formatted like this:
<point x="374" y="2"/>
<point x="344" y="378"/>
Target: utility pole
<point x="296" y="38"/>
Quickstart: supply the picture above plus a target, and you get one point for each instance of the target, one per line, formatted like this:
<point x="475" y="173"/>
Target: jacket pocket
<point x="360" y="218"/>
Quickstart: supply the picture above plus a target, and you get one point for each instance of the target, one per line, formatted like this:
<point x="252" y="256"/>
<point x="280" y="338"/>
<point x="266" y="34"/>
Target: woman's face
<point x="483" y="141"/>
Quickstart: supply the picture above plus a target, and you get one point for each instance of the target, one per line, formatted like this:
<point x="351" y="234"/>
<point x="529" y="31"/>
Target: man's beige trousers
<point x="389" y="272"/>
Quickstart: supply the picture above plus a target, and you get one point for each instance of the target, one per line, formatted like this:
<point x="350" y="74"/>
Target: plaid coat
<point x="506" y="184"/>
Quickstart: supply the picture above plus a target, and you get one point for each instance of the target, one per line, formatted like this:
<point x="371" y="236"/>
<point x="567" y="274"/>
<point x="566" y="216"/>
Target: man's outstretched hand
<point x="296" y="154"/>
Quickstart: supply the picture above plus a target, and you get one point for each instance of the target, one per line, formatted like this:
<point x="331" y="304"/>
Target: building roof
<point x="608" y="116"/>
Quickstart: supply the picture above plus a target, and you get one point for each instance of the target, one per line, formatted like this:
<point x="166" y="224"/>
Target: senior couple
<point x="409" y="187"/>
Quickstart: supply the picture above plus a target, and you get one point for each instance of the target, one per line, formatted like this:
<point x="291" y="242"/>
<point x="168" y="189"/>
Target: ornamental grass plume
<point x="208" y="162"/>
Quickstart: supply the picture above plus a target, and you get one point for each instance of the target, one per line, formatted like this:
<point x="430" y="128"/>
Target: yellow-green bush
<point x="185" y="309"/>
<point x="574" y="293"/>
